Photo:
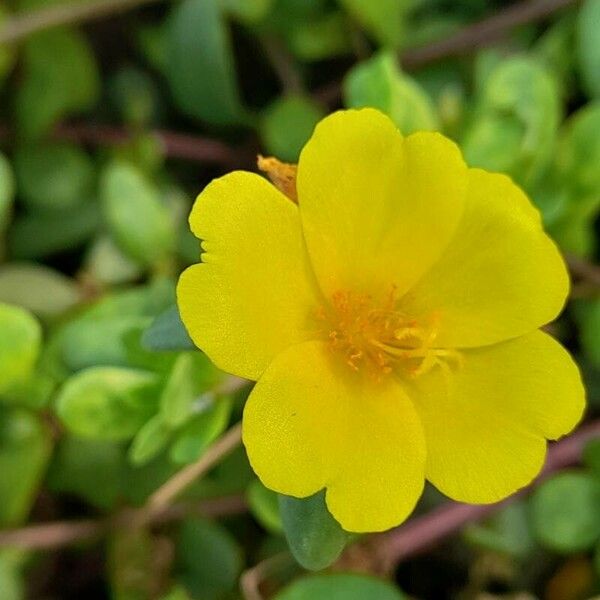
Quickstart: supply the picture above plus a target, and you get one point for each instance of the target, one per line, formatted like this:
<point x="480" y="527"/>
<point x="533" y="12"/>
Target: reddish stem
<point x="420" y="533"/>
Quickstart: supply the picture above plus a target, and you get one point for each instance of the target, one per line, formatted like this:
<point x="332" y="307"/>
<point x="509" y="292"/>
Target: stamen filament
<point x="383" y="338"/>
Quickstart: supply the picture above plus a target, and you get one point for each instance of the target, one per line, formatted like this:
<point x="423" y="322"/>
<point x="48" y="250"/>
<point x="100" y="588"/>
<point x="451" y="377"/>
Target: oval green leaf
<point x="379" y="82"/>
<point x="107" y="403"/>
<point x="200" y="66"/>
<point x="167" y="332"/>
<point x="340" y="586"/>
<point x="138" y="220"/>
<point x="588" y="46"/>
<point x="315" y="538"/>
<point x="20" y="341"/>
<point x="565" y="513"/>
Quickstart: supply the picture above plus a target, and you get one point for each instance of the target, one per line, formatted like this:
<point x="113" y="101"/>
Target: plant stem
<point x="478" y="35"/>
<point x="418" y="534"/>
<point x="49" y="536"/>
<point x="252" y="578"/>
<point x="283" y="64"/>
<point x="195" y="148"/>
<point x="484" y="32"/>
<point x="184" y="478"/>
<point x="158" y="507"/>
<point x="20" y="27"/>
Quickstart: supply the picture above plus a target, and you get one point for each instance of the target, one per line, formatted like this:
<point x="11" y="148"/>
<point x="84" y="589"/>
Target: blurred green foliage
<point x="103" y="397"/>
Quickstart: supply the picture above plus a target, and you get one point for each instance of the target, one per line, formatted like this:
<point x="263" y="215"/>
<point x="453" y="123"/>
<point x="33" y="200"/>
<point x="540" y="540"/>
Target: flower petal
<point x="500" y="277"/>
<point x="485" y="423"/>
<point x="311" y="423"/>
<point x="253" y="294"/>
<point x="377" y="209"/>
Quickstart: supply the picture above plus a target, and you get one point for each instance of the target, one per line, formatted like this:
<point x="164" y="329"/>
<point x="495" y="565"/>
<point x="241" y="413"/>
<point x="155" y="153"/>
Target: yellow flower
<point x="390" y="318"/>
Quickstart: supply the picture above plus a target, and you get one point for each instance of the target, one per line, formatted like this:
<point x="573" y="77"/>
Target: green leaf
<point x="264" y="505"/>
<point x="40" y="235"/>
<point x="177" y="593"/>
<point x="138" y="220"/>
<point x="565" y="515"/>
<point x="12" y="582"/>
<point x="515" y="124"/>
<point x="574" y="231"/>
<point x="200" y="65"/>
<point x="588" y="322"/>
<point x="25" y="446"/>
<point x="552" y="198"/>
<point x="32" y="5"/>
<point x="248" y="11"/>
<point x="90" y="341"/>
<point x="556" y="49"/>
<point x="167" y="332"/>
<point x="143" y="480"/>
<point x="287" y="124"/>
<point x="445" y="90"/>
<point x="588" y="46"/>
<point x="91" y="469"/>
<point x="379" y="82"/>
<point x="135" y="96"/>
<point x="40" y="289"/>
<point x="507" y="532"/>
<point x="144" y="300"/>
<point x="340" y="586"/>
<point x="191" y="375"/>
<point x="53" y="175"/>
<point x="132" y="562"/>
<point x="107" y="333"/>
<point x="8" y="52"/>
<point x="384" y="19"/>
<point x="151" y="39"/>
<point x="20" y="340"/>
<point x="150" y="440"/>
<point x="146" y="152"/>
<point x="579" y="151"/>
<point x="202" y="429"/>
<point x="106" y="263"/>
<point x="7" y="191"/>
<point x="320" y="38"/>
<point x="209" y="559"/>
<point x="591" y="456"/>
<point x="107" y="403"/>
<point x="137" y="356"/>
<point x="315" y="538"/>
<point x="61" y="77"/>
<point x="34" y="393"/>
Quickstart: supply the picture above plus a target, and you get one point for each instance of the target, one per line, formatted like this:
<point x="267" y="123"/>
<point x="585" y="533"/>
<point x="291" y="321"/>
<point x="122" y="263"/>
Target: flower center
<point x="381" y="339"/>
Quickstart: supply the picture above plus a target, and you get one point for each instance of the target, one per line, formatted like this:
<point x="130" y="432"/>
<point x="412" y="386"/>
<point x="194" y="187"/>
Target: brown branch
<point x="177" y="484"/>
<point x="586" y="275"/>
<point x="157" y="508"/>
<point x="51" y="535"/>
<point x="252" y="578"/>
<point x="24" y="25"/>
<point x="478" y="35"/>
<point x="420" y="533"/>
<point x="484" y="32"/>
<point x="184" y="478"/>
<point x="194" y="148"/>
<point x="48" y="536"/>
<point x="283" y="64"/>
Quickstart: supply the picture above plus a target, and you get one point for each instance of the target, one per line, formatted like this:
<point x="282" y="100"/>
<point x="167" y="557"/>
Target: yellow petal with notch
<point x="254" y="293"/>
<point x="312" y="423"/>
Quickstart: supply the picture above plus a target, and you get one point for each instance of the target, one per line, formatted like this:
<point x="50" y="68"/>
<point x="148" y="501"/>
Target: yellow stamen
<point x="382" y="339"/>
